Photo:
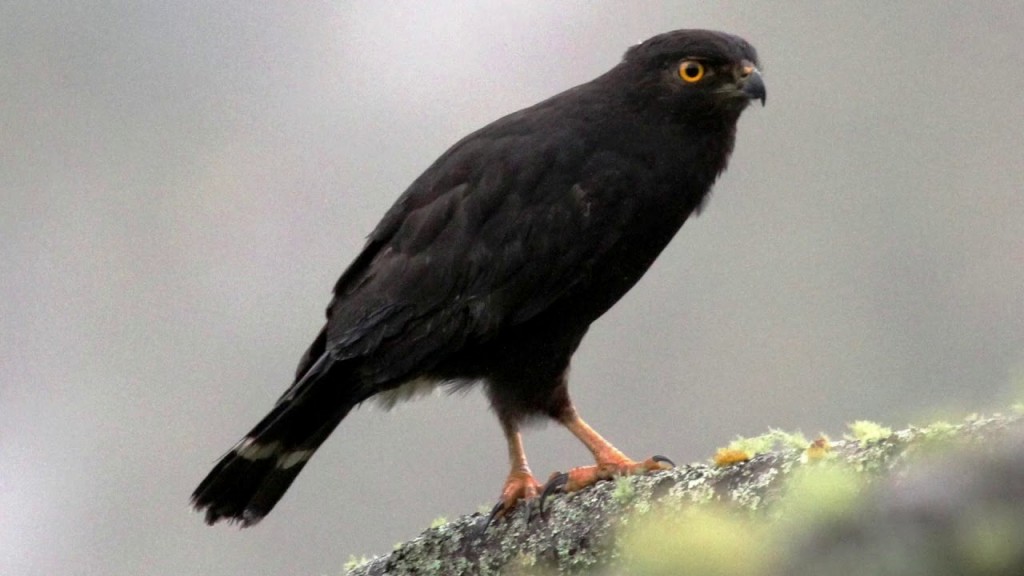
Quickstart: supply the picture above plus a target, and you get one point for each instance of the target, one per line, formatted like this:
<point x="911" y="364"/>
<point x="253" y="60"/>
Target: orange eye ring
<point x="691" y="71"/>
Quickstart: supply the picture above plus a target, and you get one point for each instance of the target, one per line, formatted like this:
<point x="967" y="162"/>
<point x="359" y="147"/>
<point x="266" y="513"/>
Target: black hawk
<point x="492" y="265"/>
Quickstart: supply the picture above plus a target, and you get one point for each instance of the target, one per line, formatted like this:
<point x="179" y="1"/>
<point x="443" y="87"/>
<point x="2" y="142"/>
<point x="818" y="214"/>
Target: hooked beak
<point x="751" y="84"/>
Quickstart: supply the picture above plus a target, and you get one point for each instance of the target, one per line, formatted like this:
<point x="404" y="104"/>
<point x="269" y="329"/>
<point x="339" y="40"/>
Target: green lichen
<point x="438" y="522"/>
<point x="866" y="431"/>
<point x="624" y="490"/>
<point x="354" y="562"/>
<point x="774" y="439"/>
<point x="941" y="430"/>
<point x="697" y="518"/>
<point x="814" y="493"/>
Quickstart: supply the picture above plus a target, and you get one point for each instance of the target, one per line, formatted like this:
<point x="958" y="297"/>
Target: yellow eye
<point x="691" y="71"/>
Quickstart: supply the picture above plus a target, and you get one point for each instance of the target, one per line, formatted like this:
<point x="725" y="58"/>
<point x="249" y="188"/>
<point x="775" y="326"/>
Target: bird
<point x="491" y="266"/>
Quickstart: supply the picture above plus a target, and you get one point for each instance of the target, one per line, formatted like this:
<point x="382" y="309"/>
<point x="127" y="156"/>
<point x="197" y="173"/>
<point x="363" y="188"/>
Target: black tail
<point x="247" y="482"/>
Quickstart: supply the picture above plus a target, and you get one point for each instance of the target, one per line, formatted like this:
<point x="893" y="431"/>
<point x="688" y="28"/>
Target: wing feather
<point x="459" y="258"/>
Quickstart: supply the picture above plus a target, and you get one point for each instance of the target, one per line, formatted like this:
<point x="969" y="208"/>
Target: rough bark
<point x="895" y="474"/>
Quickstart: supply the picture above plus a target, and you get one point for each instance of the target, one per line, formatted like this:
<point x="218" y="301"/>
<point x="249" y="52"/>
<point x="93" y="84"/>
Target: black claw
<point x="495" y="513"/>
<point x="659" y="458"/>
<point x="555" y="485"/>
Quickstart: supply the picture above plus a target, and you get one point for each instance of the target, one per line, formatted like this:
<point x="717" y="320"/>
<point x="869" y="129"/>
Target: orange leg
<point x="520" y="484"/>
<point x="609" y="461"/>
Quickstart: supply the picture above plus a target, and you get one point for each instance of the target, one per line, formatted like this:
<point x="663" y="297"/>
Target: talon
<point x="663" y="460"/>
<point x="496" y="512"/>
<point x="584" y="476"/>
<point x="520" y="486"/>
<point x="556" y="484"/>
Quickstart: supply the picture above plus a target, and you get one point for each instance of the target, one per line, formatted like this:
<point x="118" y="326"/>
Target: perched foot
<point x="520" y="485"/>
<point x="583" y="476"/>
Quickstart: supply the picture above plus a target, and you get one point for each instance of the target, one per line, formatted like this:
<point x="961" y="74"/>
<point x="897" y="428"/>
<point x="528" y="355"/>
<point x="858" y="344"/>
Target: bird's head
<point x="694" y="75"/>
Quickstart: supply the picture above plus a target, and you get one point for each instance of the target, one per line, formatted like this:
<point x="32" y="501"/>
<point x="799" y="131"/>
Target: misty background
<point x="182" y="183"/>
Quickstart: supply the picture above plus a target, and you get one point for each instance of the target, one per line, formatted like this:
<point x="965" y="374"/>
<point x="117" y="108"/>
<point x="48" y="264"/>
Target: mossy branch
<point x="753" y="511"/>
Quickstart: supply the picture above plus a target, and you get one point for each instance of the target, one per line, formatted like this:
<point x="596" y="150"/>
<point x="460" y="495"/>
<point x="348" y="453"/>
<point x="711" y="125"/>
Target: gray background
<point x="182" y="182"/>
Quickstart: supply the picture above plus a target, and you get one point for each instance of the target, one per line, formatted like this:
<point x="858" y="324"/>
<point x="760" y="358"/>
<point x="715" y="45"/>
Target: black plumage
<point x="495" y="261"/>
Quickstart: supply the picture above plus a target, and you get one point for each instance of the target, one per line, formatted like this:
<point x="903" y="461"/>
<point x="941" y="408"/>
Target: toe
<point x="496" y="512"/>
<point x="519" y="486"/>
<point x="555" y="485"/>
<point x="583" y="476"/>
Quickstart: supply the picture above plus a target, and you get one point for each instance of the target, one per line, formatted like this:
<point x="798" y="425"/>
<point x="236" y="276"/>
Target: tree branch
<point x="582" y="532"/>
